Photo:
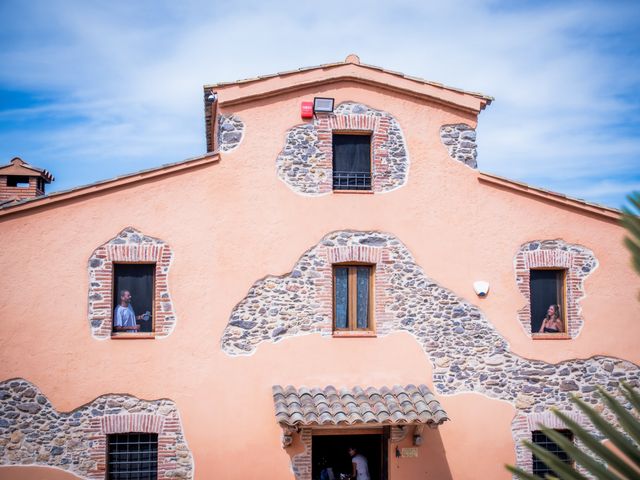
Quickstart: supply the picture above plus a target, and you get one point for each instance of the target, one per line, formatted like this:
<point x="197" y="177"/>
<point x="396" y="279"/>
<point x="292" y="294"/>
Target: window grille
<point x="133" y="456"/>
<point x="351" y="180"/>
<point x="539" y="438"/>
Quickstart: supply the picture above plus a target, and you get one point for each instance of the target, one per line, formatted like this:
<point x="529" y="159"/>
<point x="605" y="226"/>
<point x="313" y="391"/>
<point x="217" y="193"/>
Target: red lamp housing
<point x="306" y="110"/>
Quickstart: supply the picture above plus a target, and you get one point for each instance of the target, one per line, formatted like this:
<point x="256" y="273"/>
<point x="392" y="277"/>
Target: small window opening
<point x="547" y="291"/>
<point x="19" y="181"/>
<point x="353" y="299"/>
<point x="132" y="456"/>
<point x="540" y="439"/>
<point x="351" y="162"/>
<point x="133" y="297"/>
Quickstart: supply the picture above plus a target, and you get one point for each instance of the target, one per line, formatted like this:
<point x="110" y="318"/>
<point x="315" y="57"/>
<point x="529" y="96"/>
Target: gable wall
<point x="233" y="223"/>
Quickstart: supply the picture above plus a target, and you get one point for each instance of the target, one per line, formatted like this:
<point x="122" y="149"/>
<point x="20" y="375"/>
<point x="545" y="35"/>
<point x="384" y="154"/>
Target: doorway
<point x="329" y="449"/>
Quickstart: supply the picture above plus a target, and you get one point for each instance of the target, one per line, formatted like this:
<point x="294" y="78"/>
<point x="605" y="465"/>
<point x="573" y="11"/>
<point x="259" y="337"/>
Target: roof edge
<point x="259" y="78"/>
<point x="108" y="184"/>
<point x="605" y="213"/>
<point x="351" y="78"/>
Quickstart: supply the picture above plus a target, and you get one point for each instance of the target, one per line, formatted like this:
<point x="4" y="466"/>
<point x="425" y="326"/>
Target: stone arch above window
<point x="133" y="422"/>
<point x="577" y="261"/>
<point x="129" y="246"/>
<point x="305" y="162"/>
<point x="357" y="253"/>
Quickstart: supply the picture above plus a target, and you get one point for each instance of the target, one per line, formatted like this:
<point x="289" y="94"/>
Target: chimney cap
<point x="17" y="166"/>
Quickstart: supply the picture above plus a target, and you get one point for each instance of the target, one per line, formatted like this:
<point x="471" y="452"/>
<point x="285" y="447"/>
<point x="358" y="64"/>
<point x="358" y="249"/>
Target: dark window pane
<point x="137" y="279"/>
<point x="545" y="287"/>
<point x="125" y="457"/>
<point x="17" y="181"/>
<point x="352" y="162"/>
<point x="539" y="438"/>
<point x="342" y="297"/>
<point x="363" y="297"/>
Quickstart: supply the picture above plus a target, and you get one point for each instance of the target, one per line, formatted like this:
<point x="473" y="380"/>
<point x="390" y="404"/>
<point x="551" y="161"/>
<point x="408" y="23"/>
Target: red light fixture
<point x="306" y="110"/>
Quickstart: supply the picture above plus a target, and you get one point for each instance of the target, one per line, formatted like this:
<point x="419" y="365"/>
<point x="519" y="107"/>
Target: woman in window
<point x="552" y="323"/>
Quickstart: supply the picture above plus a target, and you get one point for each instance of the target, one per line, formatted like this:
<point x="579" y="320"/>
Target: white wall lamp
<point x="481" y="288"/>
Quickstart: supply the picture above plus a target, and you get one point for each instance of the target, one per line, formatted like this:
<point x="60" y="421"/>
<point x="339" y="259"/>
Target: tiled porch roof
<point x="330" y="406"/>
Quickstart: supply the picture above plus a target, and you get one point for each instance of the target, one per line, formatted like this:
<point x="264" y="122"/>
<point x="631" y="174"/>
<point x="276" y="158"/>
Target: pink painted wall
<point x="234" y="222"/>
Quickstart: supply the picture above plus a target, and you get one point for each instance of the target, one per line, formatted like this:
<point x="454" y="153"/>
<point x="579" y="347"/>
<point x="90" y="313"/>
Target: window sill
<point x="354" y="334"/>
<point x="133" y="336"/>
<point x="550" y="336"/>
<point x="359" y="192"/>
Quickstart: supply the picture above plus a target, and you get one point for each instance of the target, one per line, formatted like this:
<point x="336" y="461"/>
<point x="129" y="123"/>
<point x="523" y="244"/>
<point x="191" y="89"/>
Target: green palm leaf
<point x="631" y="221"/>
<point x="599" y="450"/>
<point x="595" y="458"/>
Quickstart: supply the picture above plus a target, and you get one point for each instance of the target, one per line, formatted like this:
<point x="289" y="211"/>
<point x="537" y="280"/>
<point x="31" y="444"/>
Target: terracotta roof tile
<point x="330" y="406"/>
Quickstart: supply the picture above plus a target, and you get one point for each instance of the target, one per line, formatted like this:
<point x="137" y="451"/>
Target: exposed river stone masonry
<point x="32" y="432"/>
<point x="305" y="162"/>
<point x="129" y="246"/>
<point x="578" y="263"/>
<point x="230" y="132"/>
<point x="467" y="352"/>
<point x="460" y="140"/>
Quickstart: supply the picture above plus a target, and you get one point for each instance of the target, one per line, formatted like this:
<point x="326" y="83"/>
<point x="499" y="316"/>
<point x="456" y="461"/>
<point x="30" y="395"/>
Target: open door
<point x="330" y="449"/>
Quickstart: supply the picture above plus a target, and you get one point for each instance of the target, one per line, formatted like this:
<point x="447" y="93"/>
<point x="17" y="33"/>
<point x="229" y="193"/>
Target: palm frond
<point x="595" y="458"/>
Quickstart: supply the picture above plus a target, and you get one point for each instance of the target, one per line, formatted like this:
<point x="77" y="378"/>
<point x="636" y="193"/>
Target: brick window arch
<point x="577" y="263"/>
<point x="129" y="246"/>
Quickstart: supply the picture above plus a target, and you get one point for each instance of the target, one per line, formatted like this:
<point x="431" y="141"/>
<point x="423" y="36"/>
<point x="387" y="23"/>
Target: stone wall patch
<point x="460" y="141"/>
<point x="230" y="132"/>
<point x="305" y="162"/>
<point x="33" y="432"/>
<point x="129" y="246"/>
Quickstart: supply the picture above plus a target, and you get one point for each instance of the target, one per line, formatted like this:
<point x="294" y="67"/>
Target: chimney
<point x="19" y="180"/>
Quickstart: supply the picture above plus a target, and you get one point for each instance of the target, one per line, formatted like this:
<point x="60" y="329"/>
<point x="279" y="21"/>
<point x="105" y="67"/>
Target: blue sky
<point x="91" y="90"/>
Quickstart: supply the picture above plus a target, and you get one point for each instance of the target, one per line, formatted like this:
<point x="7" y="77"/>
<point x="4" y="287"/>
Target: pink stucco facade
<point x="231" y="222"/>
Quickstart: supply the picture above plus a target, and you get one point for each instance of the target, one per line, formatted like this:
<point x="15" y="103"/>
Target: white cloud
<point x="127" y="78"/>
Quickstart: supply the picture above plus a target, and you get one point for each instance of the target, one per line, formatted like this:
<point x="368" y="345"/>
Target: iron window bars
<point x="539" y="438"/>
<point x="132" y="456"/>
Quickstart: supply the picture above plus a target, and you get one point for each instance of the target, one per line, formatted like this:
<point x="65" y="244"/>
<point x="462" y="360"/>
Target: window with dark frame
<point x="351" y="161"/>
<point x="139" y="280"/>
<point x="540" y="439"/>
<point x="132" y="456"/>
<point x="546" y="288"/>
<point x="352" y="297"/>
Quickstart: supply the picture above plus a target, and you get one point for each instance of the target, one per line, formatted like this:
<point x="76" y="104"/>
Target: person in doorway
<point x="552" y="323"/>
<point x="124" y="318"/>
<point x="359" y="465"/>
<point x="326" y="472"/>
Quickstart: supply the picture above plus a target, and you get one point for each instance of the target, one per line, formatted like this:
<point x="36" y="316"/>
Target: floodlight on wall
<point x="323" y="105"/>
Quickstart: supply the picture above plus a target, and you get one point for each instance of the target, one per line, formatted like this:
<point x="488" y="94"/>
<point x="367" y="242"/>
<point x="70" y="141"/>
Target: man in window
<point x="124" y="318"/>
